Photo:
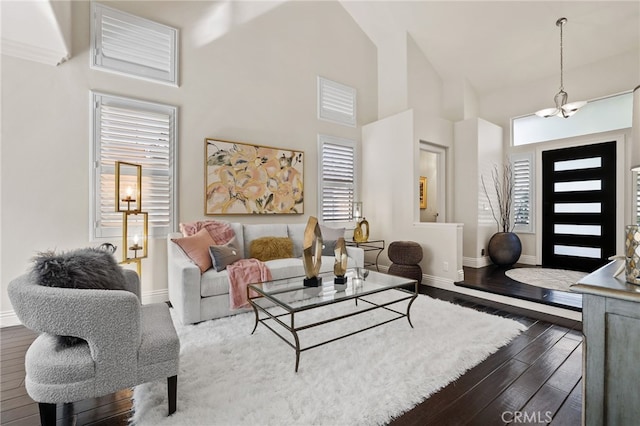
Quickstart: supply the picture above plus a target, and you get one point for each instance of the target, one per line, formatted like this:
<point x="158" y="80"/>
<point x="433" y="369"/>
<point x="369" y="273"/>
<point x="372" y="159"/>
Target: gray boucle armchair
<point x="127" y="343"/>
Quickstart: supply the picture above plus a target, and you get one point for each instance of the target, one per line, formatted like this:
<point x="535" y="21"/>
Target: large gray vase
<point x="505" y="248"/>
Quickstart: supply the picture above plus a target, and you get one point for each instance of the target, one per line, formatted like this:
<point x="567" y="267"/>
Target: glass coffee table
<point x="292" y="297"/>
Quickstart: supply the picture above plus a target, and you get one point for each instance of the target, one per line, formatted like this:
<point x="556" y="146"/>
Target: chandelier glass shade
<point x="562" y="108"/>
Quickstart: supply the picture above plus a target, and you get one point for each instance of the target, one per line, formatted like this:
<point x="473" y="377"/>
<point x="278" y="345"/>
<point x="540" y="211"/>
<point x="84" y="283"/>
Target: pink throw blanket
<point x="242" y="273"/>
<point x="221" y="232"/>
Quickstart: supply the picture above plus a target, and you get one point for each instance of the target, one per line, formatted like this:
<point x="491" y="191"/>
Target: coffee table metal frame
<point x="291" y="311"/>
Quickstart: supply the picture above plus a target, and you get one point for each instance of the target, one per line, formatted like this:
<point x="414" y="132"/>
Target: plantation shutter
<point x="638" y="198"/>
<point x="140" y="133"/>
<point x="522" y="166"/>
<point x="337" y="183"/>
<point x="336" y="102"/>
<point x="135" y="46"/>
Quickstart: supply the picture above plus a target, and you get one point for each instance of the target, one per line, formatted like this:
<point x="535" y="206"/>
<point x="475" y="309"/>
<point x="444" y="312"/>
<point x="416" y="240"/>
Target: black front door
<point x="579" y="206"/>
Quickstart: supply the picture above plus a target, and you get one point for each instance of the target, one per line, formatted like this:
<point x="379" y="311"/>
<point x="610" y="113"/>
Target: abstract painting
<point x="242" y="178"/>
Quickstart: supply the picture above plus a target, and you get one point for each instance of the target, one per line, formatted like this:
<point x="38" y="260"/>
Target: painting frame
<point x="423" y="192"/>
<point x="248" y="179"/>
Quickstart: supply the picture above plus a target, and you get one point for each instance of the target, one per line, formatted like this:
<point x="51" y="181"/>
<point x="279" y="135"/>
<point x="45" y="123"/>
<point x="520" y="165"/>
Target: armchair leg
<point x="172" y="389"/>
<point x="47" y="413"/>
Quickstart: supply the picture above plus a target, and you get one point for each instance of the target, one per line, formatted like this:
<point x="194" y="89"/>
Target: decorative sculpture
<point x="312" y="253"/>
<point x="360" y="235"/>
<point x="340" y="265"/>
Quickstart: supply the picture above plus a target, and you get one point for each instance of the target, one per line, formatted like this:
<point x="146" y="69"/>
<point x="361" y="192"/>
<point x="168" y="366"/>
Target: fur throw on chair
<point x="87" y="268"/>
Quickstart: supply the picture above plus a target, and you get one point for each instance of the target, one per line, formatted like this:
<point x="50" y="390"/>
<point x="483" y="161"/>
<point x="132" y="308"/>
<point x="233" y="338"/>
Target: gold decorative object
<point x="124" y="172"/>
<point x="312" y="253"/>
<point x="340" y="264"/>
<point x="130" y="216"/>
<point x="361" y="233"/>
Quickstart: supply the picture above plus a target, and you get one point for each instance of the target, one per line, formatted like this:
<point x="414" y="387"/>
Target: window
<point x="128" y="44"/>
<point x="600" y="115"/>
<point x="637" y="182"/>
<point x="522" y="165"/>
<point x="336" y="102"/>
<point x="136" y="132"/>
<point x="337" y="178"/>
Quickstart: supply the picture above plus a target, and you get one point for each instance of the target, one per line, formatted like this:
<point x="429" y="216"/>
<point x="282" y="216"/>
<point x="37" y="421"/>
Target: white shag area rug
<point x="229" y="377"/>
<point x="555" y="279"/>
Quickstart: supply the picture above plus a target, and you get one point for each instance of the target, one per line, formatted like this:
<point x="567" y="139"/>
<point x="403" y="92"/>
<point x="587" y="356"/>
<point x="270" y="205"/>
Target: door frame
<point x="441" y="152"/>
<point x="619" y="139"/>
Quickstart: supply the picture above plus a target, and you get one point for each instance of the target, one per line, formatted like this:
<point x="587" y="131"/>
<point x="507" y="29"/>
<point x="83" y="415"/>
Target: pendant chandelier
<point x="562" y="108"/>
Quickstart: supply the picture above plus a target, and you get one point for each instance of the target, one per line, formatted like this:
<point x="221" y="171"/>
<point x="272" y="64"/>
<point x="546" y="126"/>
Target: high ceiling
<point x="505" y="43"/>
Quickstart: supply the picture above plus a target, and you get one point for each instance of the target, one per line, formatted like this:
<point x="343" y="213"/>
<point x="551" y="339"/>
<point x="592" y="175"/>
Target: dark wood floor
<point x="492" y="279"/>
<point x="537" y="375"/>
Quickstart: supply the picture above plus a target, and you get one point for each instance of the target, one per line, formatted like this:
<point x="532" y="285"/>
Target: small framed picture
<point x="423" y="192"/>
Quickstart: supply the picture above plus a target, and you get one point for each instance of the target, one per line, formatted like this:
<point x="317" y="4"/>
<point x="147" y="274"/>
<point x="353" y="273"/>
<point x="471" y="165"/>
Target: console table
<point x="611" y="328"/>
<point x="371" y="245"/>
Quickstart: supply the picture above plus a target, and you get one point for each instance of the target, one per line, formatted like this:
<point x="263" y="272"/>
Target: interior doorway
<point x="433" y="160"/>
<point x="579" y="206"/>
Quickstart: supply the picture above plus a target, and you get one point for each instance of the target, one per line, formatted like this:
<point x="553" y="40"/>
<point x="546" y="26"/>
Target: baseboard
<point x="528" y="260"/>
<point x="476" y="262"/>
<point x="155" y="296"/>
<point x="481" y="262"/>
<point x="9" y="318"/>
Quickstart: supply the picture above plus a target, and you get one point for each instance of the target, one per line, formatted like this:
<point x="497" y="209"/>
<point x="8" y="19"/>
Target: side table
<point x="371" y="245"/>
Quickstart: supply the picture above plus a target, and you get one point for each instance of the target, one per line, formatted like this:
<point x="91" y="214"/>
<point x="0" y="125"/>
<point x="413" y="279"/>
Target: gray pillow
<point x="329" y="238"/>
<point x="224" y="255"/>
<point x="87" y="268"/>
<point x="331" y="234"/>
<point x="329" y="247"/>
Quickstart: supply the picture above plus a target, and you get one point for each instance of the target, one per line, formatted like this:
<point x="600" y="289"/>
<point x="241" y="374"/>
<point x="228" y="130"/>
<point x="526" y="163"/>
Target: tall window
<point x="337" y="178"/>
<point x="138" y="132"/>
<point x="522" y="165"/>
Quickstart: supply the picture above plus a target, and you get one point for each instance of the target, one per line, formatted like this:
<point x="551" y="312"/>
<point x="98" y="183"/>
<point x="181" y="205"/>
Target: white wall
<point x="392" y="186"/>
<point x="465" y="152"/>
<point x="255" y="83"/>
<point x="477" y="148"/>
<point x="392" y="75"/>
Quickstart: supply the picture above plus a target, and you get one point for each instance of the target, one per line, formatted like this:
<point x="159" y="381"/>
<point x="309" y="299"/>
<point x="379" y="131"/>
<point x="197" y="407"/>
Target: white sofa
<point x="198" y="297"/>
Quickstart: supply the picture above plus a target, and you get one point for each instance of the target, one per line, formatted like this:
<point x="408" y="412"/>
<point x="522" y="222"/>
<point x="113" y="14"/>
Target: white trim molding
<point x="9" y="319"/>
<point x="476" y="262"/>
<point x="30" y="52"/>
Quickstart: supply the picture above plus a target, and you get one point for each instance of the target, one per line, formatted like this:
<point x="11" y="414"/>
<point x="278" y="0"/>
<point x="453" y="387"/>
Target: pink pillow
<point x="197" y="248"/>
<point x="221" y="232"/>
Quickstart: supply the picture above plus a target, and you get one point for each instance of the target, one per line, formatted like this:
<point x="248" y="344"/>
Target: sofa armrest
<point x="357" y="254"/>
<point x="132" y="282"/>
<point x="184" y="283"/>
